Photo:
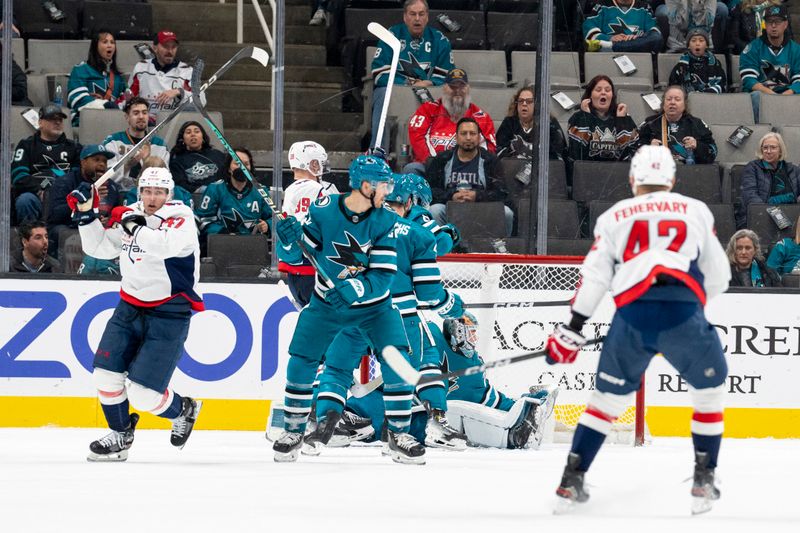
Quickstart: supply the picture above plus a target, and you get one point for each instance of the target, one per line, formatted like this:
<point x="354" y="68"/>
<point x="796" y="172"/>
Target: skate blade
<point x="563" y="506"/>
<point x="701" y="505"/>
<point x="289" y="457"/>
<point x="107" y="458"/>
<point x="405" y="460"/>
<point x="312" y="449"/>
<point x="457" y="445"/>
<point x="342" y="441"/>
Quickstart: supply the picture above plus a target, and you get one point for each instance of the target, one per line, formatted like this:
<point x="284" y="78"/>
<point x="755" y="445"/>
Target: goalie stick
<point x="389" y="38"/>
<point x="251" y="51"/>
<point x="411" y="376"/>
<point x="246" y="171"/>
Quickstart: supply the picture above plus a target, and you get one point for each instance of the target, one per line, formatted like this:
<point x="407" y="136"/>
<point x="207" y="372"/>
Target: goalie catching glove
<point x="563" y="345"/>
<point x="345" y="294"/>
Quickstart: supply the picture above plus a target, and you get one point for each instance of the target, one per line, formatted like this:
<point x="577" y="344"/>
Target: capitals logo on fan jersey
<point x="352" y="255"/>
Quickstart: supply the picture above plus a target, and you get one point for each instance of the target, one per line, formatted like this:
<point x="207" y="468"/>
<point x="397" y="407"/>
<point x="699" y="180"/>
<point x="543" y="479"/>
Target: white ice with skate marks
<point x="227" y="481"/>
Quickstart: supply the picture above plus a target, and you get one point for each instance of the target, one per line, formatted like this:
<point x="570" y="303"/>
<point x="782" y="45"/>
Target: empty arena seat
<point x="666" y="62"/>
<point x="724" y="221"/>
<point x="779" y="110"/>
<point x="56" y="56"/>
<point x="512" y="31"/>
<point x="642" y="79"/>
<point x="569" y="246"/>
<point x="486" y="219"/>
<point x="562" y="219"/>
<point x="471" y="36"/>
<point x="594" y="180"/>
<point x="238" y="254"/>
<point x="127" y="56"/>
<point x="730" y="154"/>
<point x="699" y="181"/>
<point x="485" y="68"/>
<point x="18" y="52"/>
<point x="759" y="221"/>
<point x="736" y="184"/>
<point x="561" y="114"/>
<point x="726" y="108"/>
<point x="638" y="109"/>
<point x="35" y="23"/>
<point x="493" y="101"/>
<point x="565" y="70"/>
<point x="732" y="68"/>
<point x="127" y="20"/>
<point x="597" y="208"/>
<point x="508" y="167"/>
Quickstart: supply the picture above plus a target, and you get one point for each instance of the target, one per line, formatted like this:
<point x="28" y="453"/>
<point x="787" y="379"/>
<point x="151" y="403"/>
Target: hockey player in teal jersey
<point x="353" y="239"/>
<point x="447" y="235"/>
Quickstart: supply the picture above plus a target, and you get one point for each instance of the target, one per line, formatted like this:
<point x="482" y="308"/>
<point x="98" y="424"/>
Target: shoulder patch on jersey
<point x="322" y="201"/>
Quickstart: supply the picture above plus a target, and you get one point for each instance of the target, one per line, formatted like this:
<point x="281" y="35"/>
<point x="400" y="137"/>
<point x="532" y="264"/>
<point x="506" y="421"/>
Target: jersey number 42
<point x="639" y="238"/>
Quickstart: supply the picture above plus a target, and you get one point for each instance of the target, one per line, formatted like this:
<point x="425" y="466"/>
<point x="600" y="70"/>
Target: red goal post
<point x="506" y="278"/>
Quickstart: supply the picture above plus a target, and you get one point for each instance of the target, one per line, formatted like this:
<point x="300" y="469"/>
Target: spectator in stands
<point x="94" y="162"/>
<point x="601" y="130"/>
<point x="38" y="161"/>
<point x="178" y="192"/>
<point x="698" y="69"/>
<point x="622" y="26"/>
<point x="747" y="22"/>
<point x="465" y="173"/>
<point x="785" y="256"/>
<point x="136" y="115"/>
<point x="771" y="63"/>
<point x="770" y="179"/>
<point x="193" y="163"/>
<point x="747" y="262"/>
<point x="32" y="257"/>
<point x="163" y="81"/>
<point x="96" y="83"/>
<point x="685" y="15"/>
<point x="515" y="134"/>
<point x="425" y="59"/>
<point x="687" y="137"/>
<point x="232" y="205"/>
<point x="432" y="128"/>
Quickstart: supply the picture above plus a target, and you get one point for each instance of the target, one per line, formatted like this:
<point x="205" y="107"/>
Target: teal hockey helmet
<point x="404" y="188"/>
<point x="371" y="169"/>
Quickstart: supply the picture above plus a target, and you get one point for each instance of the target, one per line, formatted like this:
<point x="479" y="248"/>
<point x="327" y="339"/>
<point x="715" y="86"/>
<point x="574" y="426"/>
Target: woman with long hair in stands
<point x="602" y="130"/>
<point x="515" y="134"/>
<point x="96" y="83"/>
<point x="192" y="162"/>
<point x="748" y="268"/>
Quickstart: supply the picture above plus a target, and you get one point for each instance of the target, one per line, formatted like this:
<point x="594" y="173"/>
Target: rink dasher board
<point x="236" y="356"/>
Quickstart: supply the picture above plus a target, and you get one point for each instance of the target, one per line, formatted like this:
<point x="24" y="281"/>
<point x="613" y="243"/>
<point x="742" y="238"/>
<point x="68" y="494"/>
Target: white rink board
<point x="238" y="348"/>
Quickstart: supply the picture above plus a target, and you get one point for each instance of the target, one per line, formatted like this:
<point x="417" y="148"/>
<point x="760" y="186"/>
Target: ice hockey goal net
<point x="517" y="323"/>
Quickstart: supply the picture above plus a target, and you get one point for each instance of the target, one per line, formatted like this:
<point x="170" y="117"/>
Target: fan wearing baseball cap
<point x="164" y="80"/>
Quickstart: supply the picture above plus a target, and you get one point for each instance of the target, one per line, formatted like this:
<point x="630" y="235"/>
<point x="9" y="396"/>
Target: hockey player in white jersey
<point x="658" y="254"/>
<point x="156" y="242"/>
<point x="308" y="161"/>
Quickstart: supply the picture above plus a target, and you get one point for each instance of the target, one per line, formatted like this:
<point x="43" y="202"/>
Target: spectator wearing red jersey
<point x="432" y="129"/>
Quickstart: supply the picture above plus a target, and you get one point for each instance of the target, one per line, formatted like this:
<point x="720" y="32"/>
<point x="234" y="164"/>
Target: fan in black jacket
<point x="515" y="134"/>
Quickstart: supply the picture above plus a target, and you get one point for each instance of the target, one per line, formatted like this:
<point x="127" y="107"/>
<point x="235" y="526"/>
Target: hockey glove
<point x="345" y="294"/>
<point x="453" y="232"/>
<point x="117" y="213"/>
<point x="378" y="151"/>
<point x="83" y="202"/>
<point x="132" y="220"/>
<point x="563" y="345"/>
<point x="289" y="230"/>
<point x="451" y="307"/>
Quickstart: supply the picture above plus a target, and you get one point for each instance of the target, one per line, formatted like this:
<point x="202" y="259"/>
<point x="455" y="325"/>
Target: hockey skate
<point x="351" y="428"/>
<point x="323" y="431"/>
<point x="440" y="434"/>
<point x="704" y="492"/>
<point x="183" y="425"/>
<point x="287" y="447"/>
<point x="571" y="490"/>
<point x="403" y="448"/>
<point x="115" y="445"/>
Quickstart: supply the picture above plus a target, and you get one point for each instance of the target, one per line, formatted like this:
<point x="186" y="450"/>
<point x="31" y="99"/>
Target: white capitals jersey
<point x="299" y="196"/>
<point x="638" y="239"/>
<point x="160" y="261"/>
<point x="148" y="81"/>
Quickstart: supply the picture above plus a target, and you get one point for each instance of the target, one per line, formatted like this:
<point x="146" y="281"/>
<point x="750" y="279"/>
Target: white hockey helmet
<point x="302" y="153"/>
<point x="156" y="177"/>
<point x="652" y="165"/>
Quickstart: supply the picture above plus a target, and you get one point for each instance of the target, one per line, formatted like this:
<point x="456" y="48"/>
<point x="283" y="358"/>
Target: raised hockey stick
<point x="411" y="376"/>
<point x="246" y="171"/>
<point x="514" y="305"/>
<point x="251" y="51"/>
<point x="394" y="43"/>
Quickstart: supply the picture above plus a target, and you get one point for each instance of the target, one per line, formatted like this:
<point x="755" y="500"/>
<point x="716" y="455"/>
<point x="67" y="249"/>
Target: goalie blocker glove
<point x="564" y="344"/>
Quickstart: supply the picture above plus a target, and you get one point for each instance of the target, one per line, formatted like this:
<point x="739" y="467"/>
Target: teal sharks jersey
<point x="353" y="246"/>
<point x="420" y="215"/>
<point x="223" y="209"/>
<point x="417" y="278"/>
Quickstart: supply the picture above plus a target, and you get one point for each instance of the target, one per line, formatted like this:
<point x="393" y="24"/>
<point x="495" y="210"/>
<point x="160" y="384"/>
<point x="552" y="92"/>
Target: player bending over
<point x="159" y="256"/>
<point x="353" y="238"/>
<point x="658" y="254"/>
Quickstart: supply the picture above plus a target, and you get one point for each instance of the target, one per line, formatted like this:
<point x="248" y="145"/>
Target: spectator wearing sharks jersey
<point x="193" y="163"/>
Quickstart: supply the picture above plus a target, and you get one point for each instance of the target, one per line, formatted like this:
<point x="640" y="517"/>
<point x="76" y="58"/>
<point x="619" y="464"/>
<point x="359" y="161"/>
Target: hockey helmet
<point x="462" y="334"/>
<point x="156" y="177"/>
<point x="371" y="169"/>
<point x="303" y="153"/>
<point x="404" y="188"/>
<point x="423" y="195"/>
<point x="653" y="165"/>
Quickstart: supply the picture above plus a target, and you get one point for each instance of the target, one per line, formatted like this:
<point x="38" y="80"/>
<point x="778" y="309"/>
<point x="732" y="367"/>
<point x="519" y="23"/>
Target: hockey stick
<point x="246" y="171"/>
<point x="251" y="51"/>
<point x="515" y="305"/>
<point x="394" y="43"/>
<point x="407" y="373"/>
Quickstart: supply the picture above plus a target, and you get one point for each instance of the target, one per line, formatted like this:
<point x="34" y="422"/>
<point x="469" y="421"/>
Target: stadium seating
<point x="638" y="109"/>
<point x="759" y="221"/>
<point x="20" y="128"/>
<point x="128" y="20"/>
<point x="565" y="69"/>
<point x="568" y="246"/>
<point x="56" y="56"/>
<point x="18" y="52"/>
<point x="699" y="181"/>
<point x="238" y="255"/>
<point x="485" y="68"/>
<point x="561" y="114"/>
<point x="728" y="108"/>
<point x="35" y="23"/>
<point x="724" y="221"/>
<point x="640" y="80"/>
<point x="728" y="154"/>
<point x="791" y="137"/>
<point x="508" y="167"/>
<point x="562" y="219"/>
<point x="486" y="220"/>
<point x="512" y="31"/>
<point x="735" y="192"/>
<point x="97" y="124"/>
<point x="127" y="56"/>
<point x="471" y="36"/>
<point x="779" y="110"/>
<point x="732" y="67"/>
<point x="666" y="62"/>
<point x="170" y="131"/>
<point x="592" y="180"/>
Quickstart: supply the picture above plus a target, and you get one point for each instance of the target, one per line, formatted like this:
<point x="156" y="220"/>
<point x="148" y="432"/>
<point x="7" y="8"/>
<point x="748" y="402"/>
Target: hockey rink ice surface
<point x="227" y="482"/>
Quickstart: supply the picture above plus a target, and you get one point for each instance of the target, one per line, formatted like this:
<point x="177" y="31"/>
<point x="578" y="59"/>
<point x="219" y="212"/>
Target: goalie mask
<point x="462" y="334"/>
<point x="305" y="154"/>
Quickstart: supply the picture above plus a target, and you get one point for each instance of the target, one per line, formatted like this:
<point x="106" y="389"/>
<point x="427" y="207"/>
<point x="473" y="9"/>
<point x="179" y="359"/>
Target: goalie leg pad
<point x="483" y="425"/>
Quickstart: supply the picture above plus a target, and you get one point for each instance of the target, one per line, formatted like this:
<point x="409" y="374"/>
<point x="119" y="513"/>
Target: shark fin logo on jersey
<point x="622" y="27"/>
<point x="352" y="255"/>
<point x="233" y="222"/>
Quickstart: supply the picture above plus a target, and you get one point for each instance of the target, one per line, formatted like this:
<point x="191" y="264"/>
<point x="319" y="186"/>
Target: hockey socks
<point x="586" y="444"/>
<point x="117" y="416"/>
<point x="708" y="444"/>
<point x="397" y="401"/>
<point x="175" y="407"/>
<point x="434" y="392"/>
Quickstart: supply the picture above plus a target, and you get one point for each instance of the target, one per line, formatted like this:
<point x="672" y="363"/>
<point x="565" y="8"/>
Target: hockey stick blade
<point x="407" y="373"/>
<point x="514" y="305"/>
<point x="394" y="43"/>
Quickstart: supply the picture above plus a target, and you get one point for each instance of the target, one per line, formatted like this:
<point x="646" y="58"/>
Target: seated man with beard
<point x="432" y="128"/>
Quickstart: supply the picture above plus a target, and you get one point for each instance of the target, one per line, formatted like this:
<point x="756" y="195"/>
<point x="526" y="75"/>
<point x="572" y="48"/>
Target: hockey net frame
<point x="507" y="278"/>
